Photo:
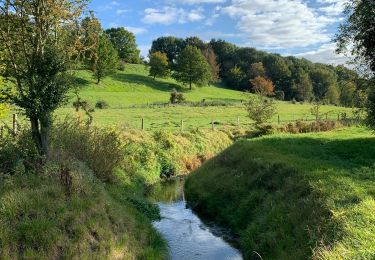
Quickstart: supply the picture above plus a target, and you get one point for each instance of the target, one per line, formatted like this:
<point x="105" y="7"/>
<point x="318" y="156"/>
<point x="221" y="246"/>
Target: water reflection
<point x="187" y="236"/>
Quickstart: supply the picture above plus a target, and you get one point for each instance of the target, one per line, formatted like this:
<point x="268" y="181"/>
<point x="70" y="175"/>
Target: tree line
<point x="241" y="68"/>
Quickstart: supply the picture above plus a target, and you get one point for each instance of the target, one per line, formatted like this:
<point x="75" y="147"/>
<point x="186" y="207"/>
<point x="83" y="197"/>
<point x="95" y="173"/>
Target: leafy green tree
<point x="347" y="93"/>
<point x="41" y="43"/>
<point x="159" y="66"/>
<point x="333" y="95"/>
<point x="195" y="41"/>
<point x="322" y="79"/>
<point x="192" y="67"/>
<point x="125" y="44"/>
<point x="257" y="70"/>
<point x="356" y="34"/>
<point x="107" y="59"/>
<point x="279" y="72"/>
<point x="304" y="87"/>
<point x="235" y="78"/>
<point x="169" y="45"/>
<point x="260" y="109"/>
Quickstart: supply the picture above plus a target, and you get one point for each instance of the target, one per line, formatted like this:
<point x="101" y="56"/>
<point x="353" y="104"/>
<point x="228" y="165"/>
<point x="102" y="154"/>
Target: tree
<point x="322" y="79"/>
<point x="262" y="86"/>
<point x="159" y="65"/>
<point x="260" y="109"/>
<point x="92" y="30"/>
<point x="41" y="43"/>
<point x="279" y="72"/>
<point x="211" y="58"/>
<point x="170" y="45"/>
<point x="125" y="44"/>
<point x="347" y="93"/>
<point x="192" y="67"/>
<point x="196" y="42"/>
<point x="356" y="34"/>
<point x="257" y="70"/>
<point x="4" y="108"/>
<point x="333" y="96"/>
<point x="107" y="59"/>
<point x="304" y="87"/>
<point x="235" y="78"/>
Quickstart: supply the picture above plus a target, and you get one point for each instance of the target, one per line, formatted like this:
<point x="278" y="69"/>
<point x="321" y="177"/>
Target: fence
<point x="151" y="124"/>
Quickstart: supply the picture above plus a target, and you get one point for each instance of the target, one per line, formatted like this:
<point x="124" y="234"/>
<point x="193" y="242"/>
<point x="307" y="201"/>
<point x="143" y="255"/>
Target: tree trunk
<point x="36" y="134"/>
<point x="190" y="85"/>
<point x="44" y="132"/>
<point x="40" y="130"/>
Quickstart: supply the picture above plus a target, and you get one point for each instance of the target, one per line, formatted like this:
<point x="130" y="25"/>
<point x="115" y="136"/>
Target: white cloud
<point x="325" y="54"/>
<point x="170" y="15"/>
<point x="136" y="30"/>
<point x="279" y="23"/>
<point x="121" y="11"/>
<point x="332" y="7"/>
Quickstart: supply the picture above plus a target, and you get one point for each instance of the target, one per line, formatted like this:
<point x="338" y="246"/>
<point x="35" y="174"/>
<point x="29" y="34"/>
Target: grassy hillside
<point x="132" y="95"/>
<point x="294" y="196"/>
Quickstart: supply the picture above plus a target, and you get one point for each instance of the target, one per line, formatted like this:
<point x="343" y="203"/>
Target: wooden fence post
<point x="143" y="124"/>
<point x="278" y="119"/>
<point x="14" y="124"/>
<point x="182" y="125"/>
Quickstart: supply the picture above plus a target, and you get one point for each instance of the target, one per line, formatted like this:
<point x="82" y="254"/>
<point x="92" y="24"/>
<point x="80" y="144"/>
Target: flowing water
<point x="187" y="236"/>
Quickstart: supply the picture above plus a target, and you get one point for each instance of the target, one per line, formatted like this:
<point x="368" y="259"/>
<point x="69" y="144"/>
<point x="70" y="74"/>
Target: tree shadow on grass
<point x="80" y="82"/>
<point x="148" y="82"/>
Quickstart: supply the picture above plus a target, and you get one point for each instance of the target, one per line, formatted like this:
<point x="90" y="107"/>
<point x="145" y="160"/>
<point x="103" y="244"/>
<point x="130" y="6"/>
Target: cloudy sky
<point x="302" y="28"/>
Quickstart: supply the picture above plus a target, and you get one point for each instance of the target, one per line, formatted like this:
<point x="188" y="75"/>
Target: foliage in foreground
<point x="62" y="211"/>
<point x="294" y="197"/>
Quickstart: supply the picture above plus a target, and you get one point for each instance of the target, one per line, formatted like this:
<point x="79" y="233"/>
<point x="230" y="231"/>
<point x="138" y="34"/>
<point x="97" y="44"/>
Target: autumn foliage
<point x="262" y="86"/>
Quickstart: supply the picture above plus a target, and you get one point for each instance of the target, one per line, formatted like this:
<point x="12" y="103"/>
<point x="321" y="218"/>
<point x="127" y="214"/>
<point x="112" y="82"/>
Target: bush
<point x="101" y="104"/>
<point x="99" y="148"/>
<point x="260" y="109"/>
<point x="122" y="66"/>
<point x="176" y="97"/>
<point x="280" y="95"/>
<point x="308" y="127"/>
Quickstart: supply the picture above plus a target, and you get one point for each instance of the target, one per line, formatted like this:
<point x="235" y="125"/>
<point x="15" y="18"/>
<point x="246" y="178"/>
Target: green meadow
<point x="133" y="95"/>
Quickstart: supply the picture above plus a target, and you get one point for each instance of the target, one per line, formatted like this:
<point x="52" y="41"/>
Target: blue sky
<point x="303" y="28"/>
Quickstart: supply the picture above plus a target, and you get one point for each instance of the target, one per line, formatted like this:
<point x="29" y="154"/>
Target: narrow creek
<point x="186" y="234"/>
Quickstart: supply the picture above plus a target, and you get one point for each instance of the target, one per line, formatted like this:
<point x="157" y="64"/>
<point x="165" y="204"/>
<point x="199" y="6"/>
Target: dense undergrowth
<point x="85" y="201"/>
<point x="294" y="196"/>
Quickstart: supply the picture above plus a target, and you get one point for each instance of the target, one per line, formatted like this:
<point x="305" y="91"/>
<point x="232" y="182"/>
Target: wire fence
<point x="12" y="126"/>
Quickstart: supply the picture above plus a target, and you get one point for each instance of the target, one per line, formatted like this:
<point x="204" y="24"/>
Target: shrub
<point x="101" y="104"/>
<point x="99" y="148"/>
<point x="122" y="65"/>
<point x="280" y="95"/>
<point x="176" y="97"/>
<point x="260" y="109"/>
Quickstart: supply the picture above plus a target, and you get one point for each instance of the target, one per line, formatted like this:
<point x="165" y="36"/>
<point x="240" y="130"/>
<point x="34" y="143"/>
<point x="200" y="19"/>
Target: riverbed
<point x="188" y="237"/>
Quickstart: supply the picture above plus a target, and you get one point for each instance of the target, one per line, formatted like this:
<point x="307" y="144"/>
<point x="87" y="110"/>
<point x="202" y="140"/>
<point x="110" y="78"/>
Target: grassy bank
<point x="86" y="200"/>
<point x="294" y="196"/>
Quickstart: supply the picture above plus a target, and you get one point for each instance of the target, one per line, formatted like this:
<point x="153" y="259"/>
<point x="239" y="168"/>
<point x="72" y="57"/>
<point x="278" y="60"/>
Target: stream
<point x="186" y="234"/>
